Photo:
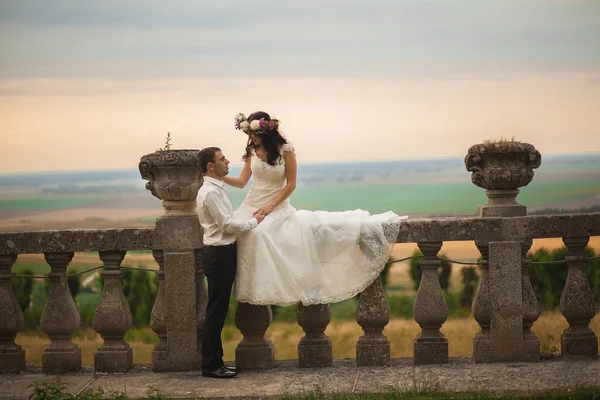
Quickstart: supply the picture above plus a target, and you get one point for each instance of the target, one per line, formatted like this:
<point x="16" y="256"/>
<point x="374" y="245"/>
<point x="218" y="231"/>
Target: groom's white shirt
<point x="216" y="215"/>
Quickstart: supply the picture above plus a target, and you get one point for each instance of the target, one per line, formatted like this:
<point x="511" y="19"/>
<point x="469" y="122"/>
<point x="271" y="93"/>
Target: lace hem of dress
<point x="333" y="300"/>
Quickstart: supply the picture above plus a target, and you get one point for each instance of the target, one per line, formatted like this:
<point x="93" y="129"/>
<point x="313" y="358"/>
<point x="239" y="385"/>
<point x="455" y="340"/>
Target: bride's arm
<point x="241" y="181"/>
<point x="291" y="168"/>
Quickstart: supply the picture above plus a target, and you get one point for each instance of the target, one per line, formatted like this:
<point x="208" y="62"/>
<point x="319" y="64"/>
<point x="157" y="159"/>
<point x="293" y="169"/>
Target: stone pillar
<point x="60" y="319"/>
<point x="12" y="356"/>
<point x="577" y="304"/>
<point x="502" y="168"/>
<point x="174" y="177"/>
<point x="314" y="349"/>
<point x="373" y="314"/>
<point x="531" y="309"/>
<point x="506" y="325"/>
<point x="430" y="310"/>
<point x="255" y="351"/>
<point x="201" y="300"/>
<point x="112" y="318"/>
<point x="158" y="318"/>
<point x="482" y="308"/>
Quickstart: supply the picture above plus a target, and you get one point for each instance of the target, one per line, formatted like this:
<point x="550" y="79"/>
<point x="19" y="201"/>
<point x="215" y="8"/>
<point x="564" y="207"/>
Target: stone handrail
<point x="76" y="240"/>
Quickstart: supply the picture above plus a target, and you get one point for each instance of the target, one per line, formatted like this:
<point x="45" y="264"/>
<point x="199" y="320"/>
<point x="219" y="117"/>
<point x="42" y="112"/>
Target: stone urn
<point x="502" y="168"/>
<point x="174" y="177"/>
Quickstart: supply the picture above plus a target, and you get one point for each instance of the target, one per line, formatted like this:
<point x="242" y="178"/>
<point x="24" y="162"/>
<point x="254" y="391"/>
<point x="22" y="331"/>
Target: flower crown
<point x="257" y="126"/>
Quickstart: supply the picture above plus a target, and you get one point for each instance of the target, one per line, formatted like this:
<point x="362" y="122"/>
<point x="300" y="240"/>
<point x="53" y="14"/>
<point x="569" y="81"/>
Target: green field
<point x="425" y="197"/>
<point x="46" y="203"/>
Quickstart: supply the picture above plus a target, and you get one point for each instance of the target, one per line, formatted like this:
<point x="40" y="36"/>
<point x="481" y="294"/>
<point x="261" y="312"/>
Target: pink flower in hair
<point x="261" y="123"/>
<point x="271" y="125"/>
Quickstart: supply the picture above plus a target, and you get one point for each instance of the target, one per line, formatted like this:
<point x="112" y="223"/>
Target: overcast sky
<point x="98" y="83"/>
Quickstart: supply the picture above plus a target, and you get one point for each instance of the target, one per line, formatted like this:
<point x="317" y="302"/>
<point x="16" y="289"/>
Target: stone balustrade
<point x="505" y="306"/>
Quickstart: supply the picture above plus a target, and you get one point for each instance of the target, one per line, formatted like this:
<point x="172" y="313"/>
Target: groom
<point x="218" y="256"/>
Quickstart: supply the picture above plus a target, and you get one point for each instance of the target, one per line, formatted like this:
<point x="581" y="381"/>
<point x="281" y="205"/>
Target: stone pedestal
<point x="506" y="325"/>
<point x="174" y="177"/>
<point x="501" y="168"/>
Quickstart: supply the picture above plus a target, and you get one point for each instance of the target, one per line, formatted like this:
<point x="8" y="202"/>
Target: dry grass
<point x="343" y="334"/>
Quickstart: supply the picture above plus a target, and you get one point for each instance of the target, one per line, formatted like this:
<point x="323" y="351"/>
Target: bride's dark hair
<point x="271" y="140"/>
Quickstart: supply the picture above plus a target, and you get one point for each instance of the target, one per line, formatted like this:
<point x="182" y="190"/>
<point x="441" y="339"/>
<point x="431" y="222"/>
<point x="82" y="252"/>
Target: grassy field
<point x="343" y="334"/>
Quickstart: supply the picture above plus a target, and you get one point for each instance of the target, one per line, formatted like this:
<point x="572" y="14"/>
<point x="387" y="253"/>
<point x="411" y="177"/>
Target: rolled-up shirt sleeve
<point x="223" y="218"/>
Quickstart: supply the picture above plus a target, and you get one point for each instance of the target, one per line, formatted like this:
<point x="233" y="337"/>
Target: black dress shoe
<point x="219" y="372"/>
<point x="232" y="369"/>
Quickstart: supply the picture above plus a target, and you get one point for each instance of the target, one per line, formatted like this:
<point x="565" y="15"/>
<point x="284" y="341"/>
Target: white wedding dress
<point x="313" y="257"/>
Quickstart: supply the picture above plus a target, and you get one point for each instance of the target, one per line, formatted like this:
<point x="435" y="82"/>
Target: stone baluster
<point x="482" y="308"/>
<point x="201" y="300"/>
<point x="373" y="314"/>
<point x="314" y="349"/>
<point x="577" y="304"/>
<point x="112" y="318"/>
<point x="254" y="351"/>
<point x="60" y="319"/>
<point x="158" y="318"/>
<point x="531" y="309"/>
<point x="430" y="310"/>
<point x="12" y="356"/>
<point x="174" y="177"/>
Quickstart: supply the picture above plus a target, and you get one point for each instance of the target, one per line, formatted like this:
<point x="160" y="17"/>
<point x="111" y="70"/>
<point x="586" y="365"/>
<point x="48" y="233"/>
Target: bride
<point x="313" y="257"/>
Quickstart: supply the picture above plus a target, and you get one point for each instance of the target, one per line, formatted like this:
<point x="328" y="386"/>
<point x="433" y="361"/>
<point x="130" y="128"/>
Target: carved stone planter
<point x="502" y="168"/>
<point x="174" y="177"/>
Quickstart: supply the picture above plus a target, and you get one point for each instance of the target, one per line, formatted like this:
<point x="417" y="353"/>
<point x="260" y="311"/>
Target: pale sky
<point x="95" y="85"/>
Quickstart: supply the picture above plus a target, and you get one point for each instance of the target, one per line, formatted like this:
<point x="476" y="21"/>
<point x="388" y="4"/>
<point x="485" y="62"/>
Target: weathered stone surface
<point x="460" y="375"/>
<point x="172" y="175"/>
<point x="180" y="294"/>
<point x="411" y="231"/>
<point x="74" y="240"/>
<point x="255" y="351"/>
<point x="12" y="356"/>
<point x="373" y="314"/>
<point x="314" y="349"/>
<point x="201" y="301"/>
<point x="482" y="308"/>
<point x="531" y="309"/>
<point x="485" y="230"/>
<point x="578" y="304"/>
<point x="430" y="310"/>
<point x="112" y="318"/>
<point x="158" y="317"/>
<point x="506" y="325"/>
<point x="503" y="165"/>
<point x="60" y="319"/>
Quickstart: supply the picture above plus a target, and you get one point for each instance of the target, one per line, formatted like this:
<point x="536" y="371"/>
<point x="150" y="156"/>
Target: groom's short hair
<point x="207" y="155"/>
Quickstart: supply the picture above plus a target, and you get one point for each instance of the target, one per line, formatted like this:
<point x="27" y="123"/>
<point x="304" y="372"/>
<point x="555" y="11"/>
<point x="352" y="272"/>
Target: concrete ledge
<point x="411" y="231"/>
<point x="74" y="240"/>
<point x="460" y="375"/>
<point x="499" y="228"/>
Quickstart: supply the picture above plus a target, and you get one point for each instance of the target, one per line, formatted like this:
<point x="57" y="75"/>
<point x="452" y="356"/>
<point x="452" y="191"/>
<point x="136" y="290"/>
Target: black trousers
<point x="219" y="263"/>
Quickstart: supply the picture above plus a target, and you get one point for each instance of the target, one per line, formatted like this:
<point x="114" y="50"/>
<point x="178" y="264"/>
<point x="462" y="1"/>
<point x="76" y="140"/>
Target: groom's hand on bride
<point x="259" y="216"/>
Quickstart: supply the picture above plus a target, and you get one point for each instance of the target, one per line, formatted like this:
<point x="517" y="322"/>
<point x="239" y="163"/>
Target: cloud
<point x="275" y="38"/>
